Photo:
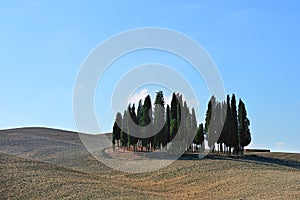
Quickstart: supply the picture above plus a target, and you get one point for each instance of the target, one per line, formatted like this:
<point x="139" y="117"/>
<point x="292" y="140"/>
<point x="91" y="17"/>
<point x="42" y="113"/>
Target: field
<point x="42" y="163"/>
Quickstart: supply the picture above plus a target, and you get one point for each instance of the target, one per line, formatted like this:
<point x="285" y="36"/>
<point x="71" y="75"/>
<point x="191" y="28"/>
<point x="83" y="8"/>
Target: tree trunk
<point x="221" y="147"/>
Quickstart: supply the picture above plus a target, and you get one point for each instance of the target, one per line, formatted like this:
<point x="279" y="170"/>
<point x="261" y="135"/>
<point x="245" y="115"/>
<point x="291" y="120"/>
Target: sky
<point x="254" y="44"/>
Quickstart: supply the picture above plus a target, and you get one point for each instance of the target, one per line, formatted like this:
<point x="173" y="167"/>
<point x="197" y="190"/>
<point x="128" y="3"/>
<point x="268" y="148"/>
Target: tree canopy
<point x="225" y="125"/>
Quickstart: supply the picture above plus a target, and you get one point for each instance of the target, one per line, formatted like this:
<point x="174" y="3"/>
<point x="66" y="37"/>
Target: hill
<point x="42" y="163"/>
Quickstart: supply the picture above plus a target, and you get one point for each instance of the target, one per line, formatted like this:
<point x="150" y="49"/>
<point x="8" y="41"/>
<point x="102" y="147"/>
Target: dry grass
<point x="52" y="164"/>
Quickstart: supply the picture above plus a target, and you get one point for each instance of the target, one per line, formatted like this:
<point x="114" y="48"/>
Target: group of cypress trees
<point x="223" y="125"/>
<point x="227" y="126"/>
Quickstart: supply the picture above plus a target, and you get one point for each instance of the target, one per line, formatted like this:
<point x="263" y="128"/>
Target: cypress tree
<point x="196" y="139"/>
<point x="168" y="124"/>
<point x="129" y="127"/>
<point x="116" y="130"/>
<point x="208" y="116"/>
<point x="244" y="123"/>
<point x="131" y="123"/>
<point x="147" y="121"/>
<point x="218" y="124"/>
<point x="179" y="105"/>
<point x="188" y="129"/>
<point x="173" y="122"/>
<point x="227" y="126"/>
<point x="234" y="125"/>
<point x="211" y="123"/>
<point x="139" y="114"/>
<point x="185" y="114"/>
<point x="181" y="123"/>
<point x="222" y="138"/>
<point x="199" y="137"/>
<point x="124" y="136"/>
<point x="185" y="130"/>
<point x="193" y="124"/>
<point x="159" y="112"/>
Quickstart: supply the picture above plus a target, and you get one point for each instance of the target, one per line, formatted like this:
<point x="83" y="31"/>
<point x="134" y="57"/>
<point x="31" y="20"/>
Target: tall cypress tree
<point x="193" y="124"/>
<point x="227" y="126"/>
<point x="129" y="126"/>
<point x="117" y="130"/>
<point x="186" y="127"/>
<point x="209" y="111"/>
<point x="222" y="138"/>
<point x="244" y="123"/>
<point x="188" y="130"/>
<point x="168" y="124"/>
<point x="207" y="118"/>
<point x="185" y="115"/>
<point x="179" y="105"/>
<point x="132" y="139"/>
<point x="147" y="121"/>
<point x="159" y="112"/>
<point x="139" y="114"/>
<point x="218" y="123"/>
<point x="199" y="137"/>
<point x="173" y="115"/>
<point x="181" y="123"/>
<point x="211" y="123"/>
<point x="124" y="131"/>
<point x="234" y="125"/>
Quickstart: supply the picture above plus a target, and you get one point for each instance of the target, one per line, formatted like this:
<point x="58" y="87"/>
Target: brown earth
<point x="41" y="163"/>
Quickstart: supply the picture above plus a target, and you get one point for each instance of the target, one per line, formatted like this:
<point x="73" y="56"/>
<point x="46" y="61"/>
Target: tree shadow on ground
<point x="258" y="160"/>
<point x="255" y="159"/>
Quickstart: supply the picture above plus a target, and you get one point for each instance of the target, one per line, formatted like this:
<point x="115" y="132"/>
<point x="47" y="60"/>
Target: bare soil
<point x="40" y="163"/>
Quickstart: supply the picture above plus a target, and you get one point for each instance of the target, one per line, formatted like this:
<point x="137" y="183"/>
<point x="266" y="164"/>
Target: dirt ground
<point x="68" y="171"/>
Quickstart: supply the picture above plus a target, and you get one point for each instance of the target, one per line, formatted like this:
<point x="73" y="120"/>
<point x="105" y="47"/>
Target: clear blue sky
<point x="255" y="45"/>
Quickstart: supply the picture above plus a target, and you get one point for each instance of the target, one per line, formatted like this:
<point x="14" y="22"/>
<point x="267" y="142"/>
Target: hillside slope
<point x="59" y="147"/>
<point x="40" y="163"/>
